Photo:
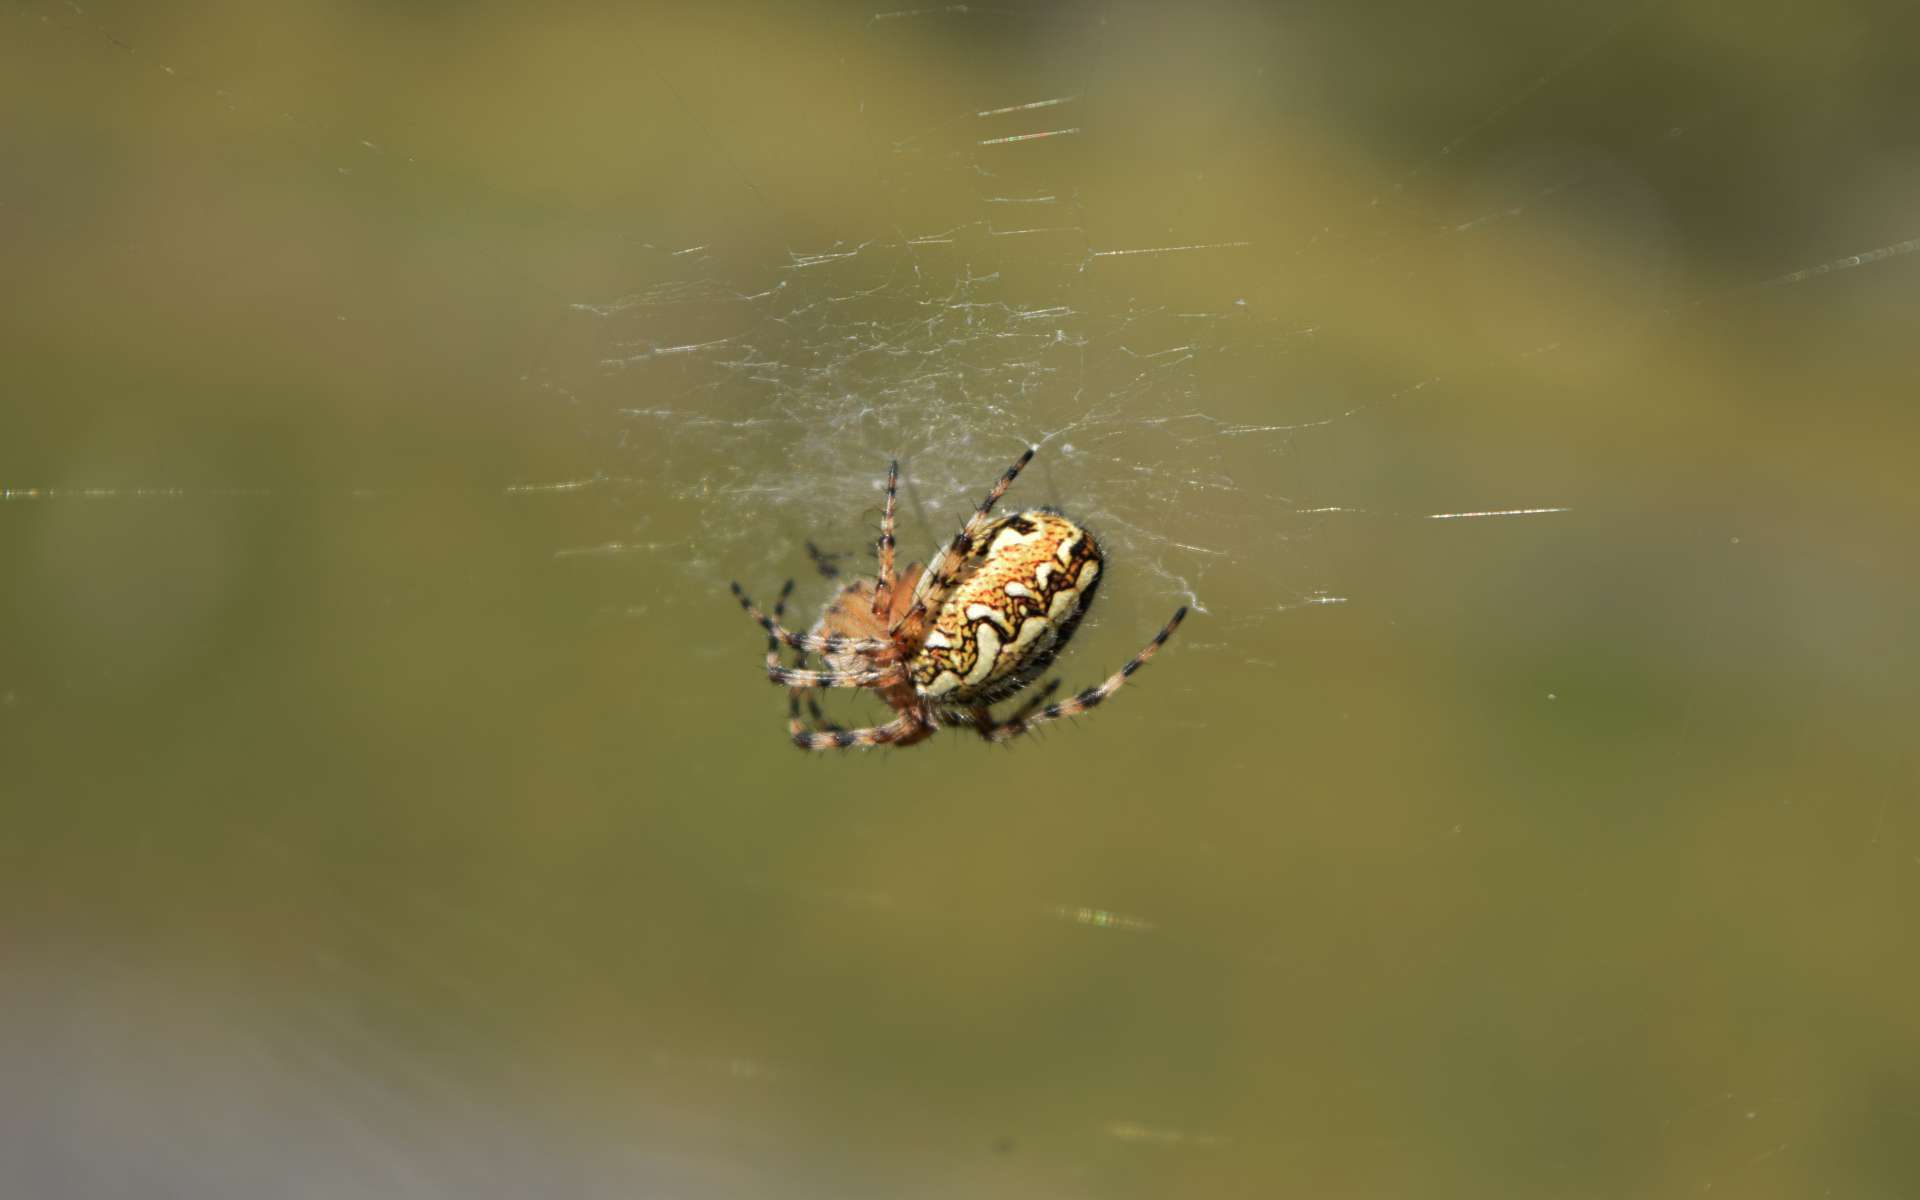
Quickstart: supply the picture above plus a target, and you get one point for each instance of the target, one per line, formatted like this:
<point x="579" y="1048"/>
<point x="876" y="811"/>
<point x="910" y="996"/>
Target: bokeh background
<point x="392" y="802"/>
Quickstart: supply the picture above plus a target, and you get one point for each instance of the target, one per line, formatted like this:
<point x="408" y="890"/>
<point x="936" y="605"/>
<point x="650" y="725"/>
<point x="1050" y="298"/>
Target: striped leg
<point x="823" y="562"/>
<point x="875" y="678"/>
<point x="795" y="694"/>
<point x="885" y="673"/>
<point x="1081" y="702"/>
<point x="833" y="643"/>
<point x="814" y="712"/>
<point x="936" y="581"/>
<point x="979" y="717"/>
<point x="908" y="727"/>
<point x="883" y="583"/>
<point x="1033" y="702"/>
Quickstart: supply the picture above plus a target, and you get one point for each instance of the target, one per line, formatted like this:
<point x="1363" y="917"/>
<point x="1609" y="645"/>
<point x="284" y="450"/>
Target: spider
<point x="941" y="644"/>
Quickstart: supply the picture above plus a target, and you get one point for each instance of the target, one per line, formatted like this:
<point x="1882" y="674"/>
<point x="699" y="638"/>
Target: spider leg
<point x="888" y="672"/>
<point x="796" y="694"/>
<point x="1023" y="722"/>
<point x="814" y="711"/>
<point x="909" y="726"/>
<point x="780" y="610"/>
<point x="1033" y="702"/>
<point x="979" y="717"/>
<point x="935" y="581"/>
<point x="823" y="562"/>
<point x="883" y="583"/>
<point x="789" y="677"/>
<point x="833" y="643"/>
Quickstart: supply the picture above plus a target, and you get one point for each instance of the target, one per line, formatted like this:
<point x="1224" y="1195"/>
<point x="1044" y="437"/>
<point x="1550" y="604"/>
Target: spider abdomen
<point x="1027" y="584"/>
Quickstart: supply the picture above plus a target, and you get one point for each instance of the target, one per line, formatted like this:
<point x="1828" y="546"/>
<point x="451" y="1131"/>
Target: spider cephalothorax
<point x="941" y="644"/>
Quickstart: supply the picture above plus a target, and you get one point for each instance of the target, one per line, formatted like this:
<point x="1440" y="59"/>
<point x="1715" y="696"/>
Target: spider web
<point x="993" y="297"/>
<point x="1208" y="384"/>
<point x="920" y="350"/>
<point x="1207" y="380"/>
<point x="1249" y="325"/>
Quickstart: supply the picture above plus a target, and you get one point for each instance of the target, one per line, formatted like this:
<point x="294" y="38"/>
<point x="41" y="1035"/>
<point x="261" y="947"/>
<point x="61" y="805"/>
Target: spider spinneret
<point x="980" y="623"/>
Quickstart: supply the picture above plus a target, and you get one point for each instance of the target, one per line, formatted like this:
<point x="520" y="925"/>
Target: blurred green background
<point x="393" y="803"/>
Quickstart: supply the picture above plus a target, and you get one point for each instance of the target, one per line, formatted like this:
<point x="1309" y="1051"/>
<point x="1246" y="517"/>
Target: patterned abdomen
<point x="1025" y="590"/>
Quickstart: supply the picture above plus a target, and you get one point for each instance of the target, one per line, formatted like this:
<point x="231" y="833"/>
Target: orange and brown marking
<point x="1029" y="576"/>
